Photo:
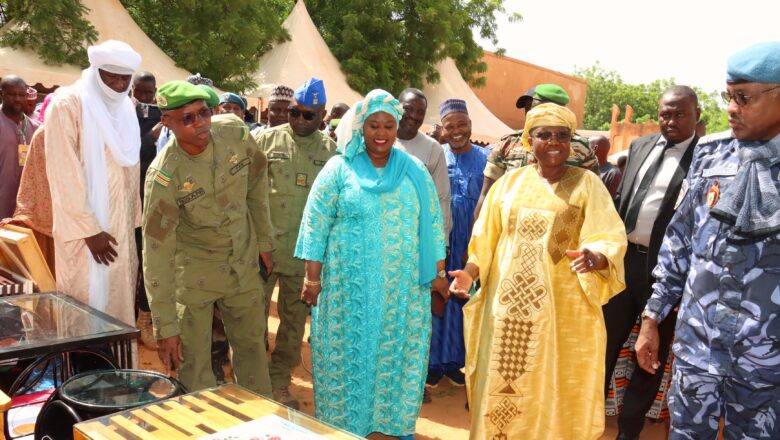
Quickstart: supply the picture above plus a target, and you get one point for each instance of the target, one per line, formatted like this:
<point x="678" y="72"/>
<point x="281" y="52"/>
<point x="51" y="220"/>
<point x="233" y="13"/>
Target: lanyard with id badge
<point x="24" y="146"/>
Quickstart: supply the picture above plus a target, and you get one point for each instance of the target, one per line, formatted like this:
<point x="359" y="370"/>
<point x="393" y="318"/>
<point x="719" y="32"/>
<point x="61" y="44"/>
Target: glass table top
<point x="117" y="389"/>
<point x="41" y="319"/>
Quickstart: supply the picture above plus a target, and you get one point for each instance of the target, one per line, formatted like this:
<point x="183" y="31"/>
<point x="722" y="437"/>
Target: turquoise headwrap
<point x="352" y="145"/>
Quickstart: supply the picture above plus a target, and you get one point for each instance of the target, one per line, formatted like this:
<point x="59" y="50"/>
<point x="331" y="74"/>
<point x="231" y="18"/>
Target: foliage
<point x="606" y="88"/>
<point x="221" y="39"/>
<point x="395" y="44"/>
<point x="56" y="29"/>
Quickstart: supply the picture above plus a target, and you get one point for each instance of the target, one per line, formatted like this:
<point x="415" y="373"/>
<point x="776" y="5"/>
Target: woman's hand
<point x="310" y="293"/>
<point x="585" y="260"/>
<point x="461" y="283"/>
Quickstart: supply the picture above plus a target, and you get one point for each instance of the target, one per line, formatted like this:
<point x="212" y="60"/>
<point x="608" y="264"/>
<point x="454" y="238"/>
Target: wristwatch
<point x="650" y="315"/>
<point x="442" y="274"/>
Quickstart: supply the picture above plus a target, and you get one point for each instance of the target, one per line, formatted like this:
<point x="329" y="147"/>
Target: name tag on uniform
<point x="237" y="167"/>
<point x="181" y="201"/>
<point x="23" y="150"/>
<point x="301" y="179"/>
<point x="276" y="155"/>
<point x="723" y="170"/>
<point x="319" y="163"/>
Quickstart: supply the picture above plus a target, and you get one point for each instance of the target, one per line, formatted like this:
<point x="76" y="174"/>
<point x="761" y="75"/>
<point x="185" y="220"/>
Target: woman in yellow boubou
<point x="548" y="250"/>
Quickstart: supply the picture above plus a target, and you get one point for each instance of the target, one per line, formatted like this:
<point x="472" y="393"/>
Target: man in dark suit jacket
<point x="646" y="199"/>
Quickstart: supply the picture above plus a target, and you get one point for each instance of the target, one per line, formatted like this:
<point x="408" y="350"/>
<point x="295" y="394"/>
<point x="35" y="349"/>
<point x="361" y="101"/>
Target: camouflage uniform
<point x="293" y="164"/>
<point x="206" y="219"/>
<point x="509" y="154"/>
<point x="728" y="326"/>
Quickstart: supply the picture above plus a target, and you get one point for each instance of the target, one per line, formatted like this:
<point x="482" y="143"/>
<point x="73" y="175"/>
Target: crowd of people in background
<point x="517" y="269"/>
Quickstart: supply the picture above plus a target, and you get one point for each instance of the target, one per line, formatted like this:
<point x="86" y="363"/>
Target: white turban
<point x="115" y="57"/>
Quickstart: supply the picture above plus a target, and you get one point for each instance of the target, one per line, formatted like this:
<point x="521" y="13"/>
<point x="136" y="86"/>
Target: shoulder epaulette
<point x="723" y="135"/>
<point x="230" y="127"/>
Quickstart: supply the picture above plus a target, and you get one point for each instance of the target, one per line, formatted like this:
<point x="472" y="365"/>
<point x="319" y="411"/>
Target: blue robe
<point x="466" y="177"/>
<point x="371" y="328"/>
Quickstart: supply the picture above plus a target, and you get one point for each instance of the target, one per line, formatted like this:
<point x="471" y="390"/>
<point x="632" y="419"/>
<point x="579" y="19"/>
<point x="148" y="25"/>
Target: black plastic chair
<point x="55" y="421"/>
<point x="59" y="367"/>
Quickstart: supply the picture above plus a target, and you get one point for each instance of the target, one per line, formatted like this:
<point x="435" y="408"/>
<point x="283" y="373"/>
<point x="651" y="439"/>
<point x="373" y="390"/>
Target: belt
<point x="639" y="248"/>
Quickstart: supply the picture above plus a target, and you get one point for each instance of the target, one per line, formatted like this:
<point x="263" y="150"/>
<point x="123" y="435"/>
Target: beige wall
<point x="508" y="78"/>
<point x="622" y="133"/>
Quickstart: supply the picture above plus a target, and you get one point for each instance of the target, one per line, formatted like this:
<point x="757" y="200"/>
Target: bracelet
<point x="308" y="283"/>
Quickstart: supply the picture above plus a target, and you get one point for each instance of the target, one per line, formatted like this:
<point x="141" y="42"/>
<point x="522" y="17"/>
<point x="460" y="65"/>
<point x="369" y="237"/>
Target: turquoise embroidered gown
<point x="370" y="332"/>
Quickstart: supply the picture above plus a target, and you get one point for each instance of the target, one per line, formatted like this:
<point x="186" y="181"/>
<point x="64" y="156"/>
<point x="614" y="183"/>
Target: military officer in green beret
<point x="206" y="219"/>
<point x="296" y="153"/>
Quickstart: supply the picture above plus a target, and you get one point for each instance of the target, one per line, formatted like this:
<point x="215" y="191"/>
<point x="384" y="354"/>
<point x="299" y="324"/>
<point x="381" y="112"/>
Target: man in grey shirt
<point x="425" y="148"/>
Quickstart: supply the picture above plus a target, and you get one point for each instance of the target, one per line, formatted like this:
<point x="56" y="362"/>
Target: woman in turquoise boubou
<point x="373" y="242"/>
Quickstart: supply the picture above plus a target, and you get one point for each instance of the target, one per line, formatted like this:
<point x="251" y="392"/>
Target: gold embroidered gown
<point x="535" y="335"/>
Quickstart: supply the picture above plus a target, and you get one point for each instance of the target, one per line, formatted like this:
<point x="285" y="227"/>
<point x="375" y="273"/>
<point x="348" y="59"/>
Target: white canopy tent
<point x="112" y="22"/>
<point x="485" y="126"/>
<point x="306" y="55"/>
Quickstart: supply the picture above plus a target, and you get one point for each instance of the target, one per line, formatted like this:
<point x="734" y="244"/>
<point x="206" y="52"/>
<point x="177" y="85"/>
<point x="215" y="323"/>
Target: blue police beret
<point x="232" y="97"/>
<point x="311" y="93"/>
<point x="758" y="63"/>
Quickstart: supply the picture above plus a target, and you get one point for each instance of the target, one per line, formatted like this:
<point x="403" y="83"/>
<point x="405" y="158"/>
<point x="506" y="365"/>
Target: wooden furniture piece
<point x="199" y="414"/>
<point x="5" y="403"/>
<point x="19" y="252"/>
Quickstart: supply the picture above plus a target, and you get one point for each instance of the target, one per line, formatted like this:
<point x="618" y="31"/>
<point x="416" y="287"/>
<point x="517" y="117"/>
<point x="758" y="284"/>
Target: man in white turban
<point x="92" y="164"/>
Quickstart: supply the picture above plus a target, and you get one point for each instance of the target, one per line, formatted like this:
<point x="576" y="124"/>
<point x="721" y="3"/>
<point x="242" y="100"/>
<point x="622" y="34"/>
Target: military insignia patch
<point x="181" y="201"/>
<point x="188" y="184"/>
<point x="233" y="158"/>
<point x="162" y="178"/>
<point x="713" y="194"/>
<point x="319" y="163"/>
<point x="237" y="167"/>
<point x="301" y="179"/>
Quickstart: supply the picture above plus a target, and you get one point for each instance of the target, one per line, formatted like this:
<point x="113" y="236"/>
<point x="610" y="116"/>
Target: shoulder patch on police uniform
<point x="715" y="137"/>
<point x="162" y="178"/>
<point x="181" y="201"/>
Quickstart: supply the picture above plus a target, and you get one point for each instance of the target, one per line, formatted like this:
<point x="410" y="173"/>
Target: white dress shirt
<point x="648" y="212"/>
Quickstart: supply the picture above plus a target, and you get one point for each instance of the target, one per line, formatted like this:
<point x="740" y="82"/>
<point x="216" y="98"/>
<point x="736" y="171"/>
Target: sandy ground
<point x="445" y="418"/>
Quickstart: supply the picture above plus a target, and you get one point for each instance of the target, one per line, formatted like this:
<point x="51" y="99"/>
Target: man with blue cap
<point x="296" y="153"/>
<point x="721" y="258"/>
<point x="232" y="103"/>
<point x="465" y="166"/>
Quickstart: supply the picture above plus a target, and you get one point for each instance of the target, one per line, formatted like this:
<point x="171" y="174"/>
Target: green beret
<point x="175" y="94"/>
<point x="551" y="93"/>
<point x="213" y="99"/>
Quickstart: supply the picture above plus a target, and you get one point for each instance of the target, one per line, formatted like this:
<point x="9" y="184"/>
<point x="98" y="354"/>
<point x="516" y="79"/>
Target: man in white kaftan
<point x="92" y="152"/>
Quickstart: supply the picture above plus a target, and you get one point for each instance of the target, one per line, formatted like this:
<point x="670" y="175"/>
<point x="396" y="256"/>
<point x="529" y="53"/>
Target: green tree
<point x="395" y="44"/>
<point x="221" y="39"/>
<point x="55" y="29"/>
<point x="606" y="87"/>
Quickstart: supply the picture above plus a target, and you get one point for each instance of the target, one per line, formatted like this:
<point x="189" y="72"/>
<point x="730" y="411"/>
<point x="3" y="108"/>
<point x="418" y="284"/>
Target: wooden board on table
<point x="196" y="415"/>
<point x="19" y="252"/>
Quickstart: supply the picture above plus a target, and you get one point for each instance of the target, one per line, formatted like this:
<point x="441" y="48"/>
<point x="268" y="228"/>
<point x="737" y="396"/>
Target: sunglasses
<point x="295" y="113"/>
<point x="560" y="136"/>
<point x="740" y="98"/>
<point x="191" y="118"/>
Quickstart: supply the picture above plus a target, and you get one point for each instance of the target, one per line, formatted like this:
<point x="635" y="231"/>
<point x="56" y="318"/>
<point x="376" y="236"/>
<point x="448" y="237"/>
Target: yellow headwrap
<point x="550" y="115"/>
